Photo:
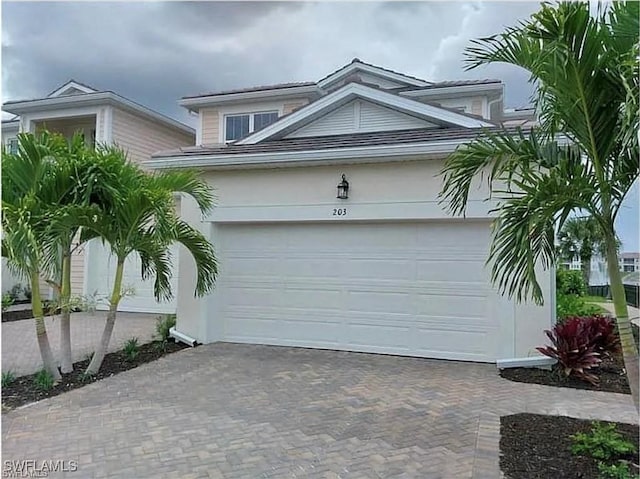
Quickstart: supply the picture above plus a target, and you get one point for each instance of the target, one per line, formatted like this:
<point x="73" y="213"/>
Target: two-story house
<point x="329" y="229"/>
<point x="108" y="118"/>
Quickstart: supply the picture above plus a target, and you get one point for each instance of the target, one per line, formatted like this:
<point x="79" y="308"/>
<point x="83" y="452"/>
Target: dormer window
<point x="239" y="126"/>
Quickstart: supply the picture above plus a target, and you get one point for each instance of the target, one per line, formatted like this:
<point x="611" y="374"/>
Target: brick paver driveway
<point x="20" y="352"/>
<point x="242" y="411"/>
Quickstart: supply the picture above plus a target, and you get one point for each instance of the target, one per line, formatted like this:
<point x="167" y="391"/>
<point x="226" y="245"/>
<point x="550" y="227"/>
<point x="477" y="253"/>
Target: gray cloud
<point x="156" y="53"/>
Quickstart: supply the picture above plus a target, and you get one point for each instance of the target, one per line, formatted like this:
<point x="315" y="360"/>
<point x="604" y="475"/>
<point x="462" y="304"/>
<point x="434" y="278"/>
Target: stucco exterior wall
<point x="300" y="192"/>
<point x="141" y="137"/>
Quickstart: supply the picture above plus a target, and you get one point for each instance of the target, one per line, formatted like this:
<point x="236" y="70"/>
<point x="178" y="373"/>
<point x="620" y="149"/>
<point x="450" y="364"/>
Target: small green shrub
<point x="7" y="378"/>
<point x="616" y="471"/>
<point x="570" y="282"/>
<point x="603" y="442"/>
<point x="27" y="293"/>
<point x="43" y="380"/>
<point x="163" y="325"/>
<point x="131" y="349"/>
<point x="7" y="301"/>
<point x="16" y="292"/>
<point x="573" y="305"/>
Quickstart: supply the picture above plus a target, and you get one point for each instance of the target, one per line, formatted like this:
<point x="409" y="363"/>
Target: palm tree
<point x="582" y="158"/>
<point x="29" y="222"/>
<point x="138" y="217"/>
<point x="582" y="237"/>
<point x="73" y="182"/>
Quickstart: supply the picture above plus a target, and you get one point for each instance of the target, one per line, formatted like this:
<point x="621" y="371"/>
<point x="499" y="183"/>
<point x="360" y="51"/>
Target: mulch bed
<point x="17" y="315"/>
<point x="534" y="446"/>
<point x="26" y="313"/>
<point x="611" y="373"/>
<point x="23" y="390"/>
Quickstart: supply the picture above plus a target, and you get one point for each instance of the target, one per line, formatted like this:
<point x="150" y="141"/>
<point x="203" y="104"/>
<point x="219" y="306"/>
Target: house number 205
<point x="339" y="212"/>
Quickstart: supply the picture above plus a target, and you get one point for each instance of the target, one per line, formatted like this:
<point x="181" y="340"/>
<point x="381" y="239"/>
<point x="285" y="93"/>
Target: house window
<point x="12" y="145"/>
<point x="239" y="126"/>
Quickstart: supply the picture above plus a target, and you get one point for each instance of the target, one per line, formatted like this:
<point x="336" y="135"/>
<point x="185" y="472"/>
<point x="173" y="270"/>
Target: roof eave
<point x="211" y="100"/>
<point x="362" y="154"/>
<point x="453" y="90"/>
<point x="90" y="99"/>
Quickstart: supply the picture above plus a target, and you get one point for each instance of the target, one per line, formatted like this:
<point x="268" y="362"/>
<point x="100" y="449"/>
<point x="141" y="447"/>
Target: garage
<point x="405" y="288"/>
<point x="100" y="275"/>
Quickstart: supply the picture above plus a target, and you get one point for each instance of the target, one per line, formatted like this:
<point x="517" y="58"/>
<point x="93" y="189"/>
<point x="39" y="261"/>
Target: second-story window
<point x="238" y="126"/>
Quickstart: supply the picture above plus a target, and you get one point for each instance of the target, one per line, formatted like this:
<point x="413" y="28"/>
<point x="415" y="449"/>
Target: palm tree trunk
<point x="585" y="265"/>
<point x="48" y="361"/>
<point x="66" y="360"/>
<point x="98" y="355"/>
<point x="629" y="349"/>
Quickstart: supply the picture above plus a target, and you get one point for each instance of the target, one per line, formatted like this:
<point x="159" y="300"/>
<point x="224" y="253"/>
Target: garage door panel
<point x="370" y="301"/>
<point x="450" y="271"/>
<point x="411" y="289"/>
<point x="452" y="305"/>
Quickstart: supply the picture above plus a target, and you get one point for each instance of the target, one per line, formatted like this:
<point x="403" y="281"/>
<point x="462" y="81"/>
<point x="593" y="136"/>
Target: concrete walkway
<point x="245" y="411"/>
<point x="20" y="352"/>
<point x="634" y="313"/>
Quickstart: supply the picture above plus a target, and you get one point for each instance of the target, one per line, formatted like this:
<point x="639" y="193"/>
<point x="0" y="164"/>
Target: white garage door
<point x="402" y="288"/>
<point x="101" y="271"/>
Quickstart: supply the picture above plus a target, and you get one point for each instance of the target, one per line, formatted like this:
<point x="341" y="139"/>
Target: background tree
<point x="139" y="217"/>
<point x="583" y="238"/>
<point x="582" y="157"/>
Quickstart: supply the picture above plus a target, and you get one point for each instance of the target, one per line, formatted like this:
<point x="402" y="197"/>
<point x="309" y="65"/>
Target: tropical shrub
<point x="16" y="292"/>
<point x="616" y="471"/>
<point x="602" y="442"/>
<point x="7" y="378"/>
<point x="43" y="380"/>
<point x="603" y="333"/>
<point x="7" y="301"/>
<point x="131" y="349"/>
<point x="570" y="282"/>
<point x="573" y="305"/>
<point x="163" y="325"/>
<point x="573" y="348"/>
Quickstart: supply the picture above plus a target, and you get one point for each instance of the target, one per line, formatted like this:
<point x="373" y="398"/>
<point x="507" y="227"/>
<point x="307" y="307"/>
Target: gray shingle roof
<point x="333" y="141"/>
<point x="277" y="86"/>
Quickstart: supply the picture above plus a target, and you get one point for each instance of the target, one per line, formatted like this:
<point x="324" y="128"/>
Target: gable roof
<point x="358" y="65"/>
<point x="69" y="86"/>
<point x="330" y="102"/>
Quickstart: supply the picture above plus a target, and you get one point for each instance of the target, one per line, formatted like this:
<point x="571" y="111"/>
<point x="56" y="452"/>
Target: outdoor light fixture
<point x="343" y="189"/>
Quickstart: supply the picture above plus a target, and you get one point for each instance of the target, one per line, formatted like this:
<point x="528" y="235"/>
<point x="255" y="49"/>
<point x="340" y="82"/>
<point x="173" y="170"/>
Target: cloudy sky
<point x="155" y="53"/>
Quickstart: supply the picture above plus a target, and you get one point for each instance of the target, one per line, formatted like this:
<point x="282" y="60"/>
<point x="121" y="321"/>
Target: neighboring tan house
<point x="379" y="267"/>
<point x="103" y="117"/>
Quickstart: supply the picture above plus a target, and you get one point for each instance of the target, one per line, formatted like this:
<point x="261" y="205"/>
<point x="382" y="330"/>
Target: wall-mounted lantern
<point x="343" y="189"/>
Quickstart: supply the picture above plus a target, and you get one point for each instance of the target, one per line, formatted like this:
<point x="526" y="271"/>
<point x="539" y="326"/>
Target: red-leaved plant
<point x="574" y="348"/>
<point x="604" y="334"/>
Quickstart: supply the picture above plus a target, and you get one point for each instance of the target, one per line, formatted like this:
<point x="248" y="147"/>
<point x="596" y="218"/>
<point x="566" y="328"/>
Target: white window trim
<point x="251" y="115"/>
<point x="9" y="140"/>
<point x="246" y="108"/>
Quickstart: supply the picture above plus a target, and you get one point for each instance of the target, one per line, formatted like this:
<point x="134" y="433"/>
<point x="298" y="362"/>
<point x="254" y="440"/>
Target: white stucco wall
<point x="388" y="191"/>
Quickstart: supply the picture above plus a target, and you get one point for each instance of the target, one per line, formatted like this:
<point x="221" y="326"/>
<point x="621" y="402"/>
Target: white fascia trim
<point x="453" y="90"/>
<point x="71" y="84"/>
<point x="347" y="70"/>
<point x="211" y="100"/>
<point x="362" y="154"/>
<point x="356" y="90"/>
<point x="91" y="99"/>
